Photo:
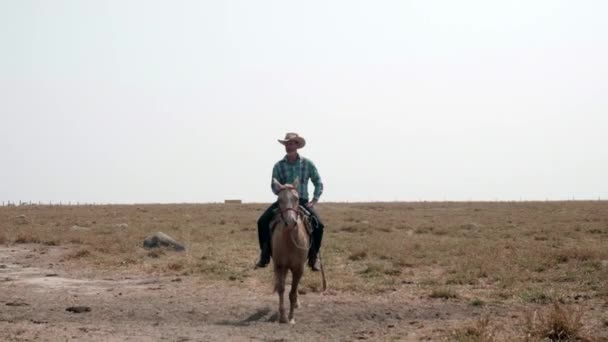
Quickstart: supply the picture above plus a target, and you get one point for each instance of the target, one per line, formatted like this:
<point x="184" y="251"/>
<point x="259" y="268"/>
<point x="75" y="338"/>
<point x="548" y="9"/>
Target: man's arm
<point x="316" y="181"/>
<point x="275" y="175"/>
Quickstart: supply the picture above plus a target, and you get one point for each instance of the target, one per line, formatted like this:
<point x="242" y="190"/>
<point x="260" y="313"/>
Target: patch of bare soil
<point x="43" y="300"/>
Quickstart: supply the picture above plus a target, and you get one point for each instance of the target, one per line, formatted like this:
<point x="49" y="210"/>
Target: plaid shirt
<point x="286" y="172"/>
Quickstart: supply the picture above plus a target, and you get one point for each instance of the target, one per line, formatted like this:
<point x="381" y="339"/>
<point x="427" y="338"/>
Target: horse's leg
<point x="281" y="274"/>
<point x="293" y="294"/>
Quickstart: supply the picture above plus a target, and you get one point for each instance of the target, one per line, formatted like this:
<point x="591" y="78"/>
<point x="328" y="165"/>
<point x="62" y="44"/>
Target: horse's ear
<point x="276" y="182"/>
<point x="296" y="182"/>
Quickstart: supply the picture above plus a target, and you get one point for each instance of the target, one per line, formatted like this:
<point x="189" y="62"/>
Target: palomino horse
<point x="290" y="244"/>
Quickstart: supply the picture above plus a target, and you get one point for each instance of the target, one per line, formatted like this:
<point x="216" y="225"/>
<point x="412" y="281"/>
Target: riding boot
<point x="313" y="252"/>
<point x="313" y="260"/>
<point x="264" y="256"/>
<point x="264" y="235"/>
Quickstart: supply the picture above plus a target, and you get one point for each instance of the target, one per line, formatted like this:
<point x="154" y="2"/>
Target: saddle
<point x="303" y="212"/>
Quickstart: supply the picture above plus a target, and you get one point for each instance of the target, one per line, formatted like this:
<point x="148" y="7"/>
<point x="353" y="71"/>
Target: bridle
<point x="297" y="207"/>
<point x="296" y="210"/>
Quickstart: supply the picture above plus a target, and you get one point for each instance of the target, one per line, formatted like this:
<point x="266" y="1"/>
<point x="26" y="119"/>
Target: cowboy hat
<point x="293" y="137"/>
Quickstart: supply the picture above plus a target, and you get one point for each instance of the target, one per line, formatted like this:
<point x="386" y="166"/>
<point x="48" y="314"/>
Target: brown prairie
<point x="464" y="259"/>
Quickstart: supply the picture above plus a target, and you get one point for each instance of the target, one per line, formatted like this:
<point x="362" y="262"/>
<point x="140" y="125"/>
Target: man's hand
<point x="311" y="203"/>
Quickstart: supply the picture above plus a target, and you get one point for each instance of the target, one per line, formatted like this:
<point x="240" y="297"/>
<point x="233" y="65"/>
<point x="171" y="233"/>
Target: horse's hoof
<point x="283" y="320"/>
<point x="292" y="321"/>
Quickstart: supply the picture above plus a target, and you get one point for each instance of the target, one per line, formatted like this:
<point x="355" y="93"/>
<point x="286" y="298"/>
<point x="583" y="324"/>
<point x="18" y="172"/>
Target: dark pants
<point x="268" y="215"/>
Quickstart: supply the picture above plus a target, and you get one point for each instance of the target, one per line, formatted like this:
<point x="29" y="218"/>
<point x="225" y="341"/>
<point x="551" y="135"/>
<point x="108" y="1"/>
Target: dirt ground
<point x="420" y="272"/>
<point x="36" y="291"/>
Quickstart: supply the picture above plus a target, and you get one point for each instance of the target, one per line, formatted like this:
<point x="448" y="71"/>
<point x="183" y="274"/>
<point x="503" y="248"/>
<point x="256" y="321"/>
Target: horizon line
<point x="77" y="203"/>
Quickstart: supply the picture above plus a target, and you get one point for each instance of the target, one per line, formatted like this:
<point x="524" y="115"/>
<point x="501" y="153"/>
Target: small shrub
<point x="558" y="324"/>
<point x="357" y="255"/>
<point x="429" y="282"/>
<point x="212" y="268"/>
<point x="392" y="272"/>
<point x="424" y="229"/>
<point x="349" y="229"/>
<point x="76" y="241"/>
<point x="373" y="270"/>
<point x="462" y="278"/>
<point x="156" y="253"/>
<point x="562" y="258"/>
<point x="504" y="295"/>
<point x="443" y="293"/>
<point x="440" y="232"/>
<point x="402" y="264"/>
<point x="479" y="332"/>
<point x="470" y="226"/>
<point x="21" y="220"/>
<point x="175" y="266"/>
<point x="595" y="231"/>
<point x="81" y="253"/>
<point x="536" y="296"/>
<point x="477" y="302"/>
<point x="103" y="249"/>
<point x="129" y="261"/>
<point x="575" y="254"/>
<point x="27" y="238"/>
<point x="602" y="292"/>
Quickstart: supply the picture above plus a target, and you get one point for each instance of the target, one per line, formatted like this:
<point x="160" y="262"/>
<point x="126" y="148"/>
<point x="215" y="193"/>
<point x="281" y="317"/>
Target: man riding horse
<point x="292" y="167"/>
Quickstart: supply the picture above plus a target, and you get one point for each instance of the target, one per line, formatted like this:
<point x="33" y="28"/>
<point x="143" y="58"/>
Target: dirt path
<point x="35" y="292"/>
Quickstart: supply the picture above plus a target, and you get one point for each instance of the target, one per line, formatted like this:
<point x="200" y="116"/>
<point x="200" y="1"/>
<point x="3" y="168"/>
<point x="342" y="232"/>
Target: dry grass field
<point x="524" y="271"/>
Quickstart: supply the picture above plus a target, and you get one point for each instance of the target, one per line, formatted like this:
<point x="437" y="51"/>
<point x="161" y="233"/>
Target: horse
<point x="290" y="244"/>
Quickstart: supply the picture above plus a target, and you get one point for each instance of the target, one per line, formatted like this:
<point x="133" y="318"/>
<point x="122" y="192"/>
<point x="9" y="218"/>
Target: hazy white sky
<point x="182" y="101"/>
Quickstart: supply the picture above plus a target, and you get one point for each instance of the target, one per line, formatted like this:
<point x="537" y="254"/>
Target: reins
<point x="296" y="209"/>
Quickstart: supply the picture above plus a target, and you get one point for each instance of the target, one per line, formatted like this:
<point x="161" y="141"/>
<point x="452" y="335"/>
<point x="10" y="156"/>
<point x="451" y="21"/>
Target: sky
<point x="183" y="101"/>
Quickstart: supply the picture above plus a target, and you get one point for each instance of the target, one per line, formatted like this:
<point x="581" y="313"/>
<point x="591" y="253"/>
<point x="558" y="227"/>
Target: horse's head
<point x="288" y="201"/>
